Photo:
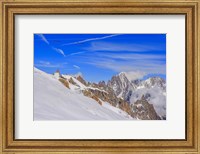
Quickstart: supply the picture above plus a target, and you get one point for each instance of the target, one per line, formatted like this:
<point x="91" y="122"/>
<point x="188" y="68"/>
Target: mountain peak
<point x="120" y="84"/>
<point x="57" y="74"/>
<point x="122" y="73"/>
<point x="123" y="77"/>
<point x="135" y="97"/>
<point x="80" y="78"/>
<point x="155" y="81"/>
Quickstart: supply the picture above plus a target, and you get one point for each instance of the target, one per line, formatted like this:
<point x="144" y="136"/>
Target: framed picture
<point x="99" y="76"/>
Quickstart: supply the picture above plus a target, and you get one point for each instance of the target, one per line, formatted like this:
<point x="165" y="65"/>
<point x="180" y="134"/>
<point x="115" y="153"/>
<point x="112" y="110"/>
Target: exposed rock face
<point x="102" y="85"/>
<point x="79" y="78"/>
<point x="65" y="82"/>
<point x="154" y="82"/>
<point x="110" y="97"/>
<point x="95" y="85"/>
<point x="143" y="110"/>
<point x="153" y="89"/>
<point x="134" y="97"/>
<point x="126" y="107"/>
<point x="123" y="88"/>
<point x="91" y="95"/>
<point x="120" y="85"/>
<point x="72" y="81"/>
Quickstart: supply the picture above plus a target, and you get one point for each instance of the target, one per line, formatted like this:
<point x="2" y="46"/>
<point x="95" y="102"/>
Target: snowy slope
<point x="78" y="85"/>
<point x="53" y="101"/>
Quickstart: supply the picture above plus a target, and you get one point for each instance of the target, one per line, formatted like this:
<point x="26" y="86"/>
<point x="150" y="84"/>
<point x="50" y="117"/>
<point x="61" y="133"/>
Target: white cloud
<point x="133" y="56"/>
<point x="107" y="46"/>
<point x="126" y="62"/>
<point x="47" y="64"/>
<point x="59" y="51"/>
<point x="91" y="39"/>
<point x="147" y="66"/>
<point x="78" y="74"/>
<point x="75" y="66"/>
<point x="43" y="38"/>
<point x="44" y="62"/>
<point x="135" y="75"/>
<point x="76" y="53"/>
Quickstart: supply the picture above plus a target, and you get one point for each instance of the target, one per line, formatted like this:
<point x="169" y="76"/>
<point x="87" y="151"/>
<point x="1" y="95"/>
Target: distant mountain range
<point x="68" y="97"/>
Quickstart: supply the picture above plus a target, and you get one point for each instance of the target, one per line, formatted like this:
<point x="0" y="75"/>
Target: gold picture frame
<point x="9" y="8"/>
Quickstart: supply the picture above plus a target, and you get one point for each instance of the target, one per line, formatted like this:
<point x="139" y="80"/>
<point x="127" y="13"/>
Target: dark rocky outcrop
<point x="79" y="78"/>
<point x="91" y="95"/>
<point x="144" y="110"/>
<point x="64" y="82"/>
<point x="119" y="91"/>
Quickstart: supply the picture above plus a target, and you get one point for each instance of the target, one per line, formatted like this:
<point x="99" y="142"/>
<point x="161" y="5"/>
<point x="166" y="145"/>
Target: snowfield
<point x="53" y="101"/>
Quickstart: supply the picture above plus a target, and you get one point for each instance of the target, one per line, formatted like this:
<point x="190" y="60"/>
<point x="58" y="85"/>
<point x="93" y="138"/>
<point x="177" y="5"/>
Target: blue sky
<point x="100" y="56"/>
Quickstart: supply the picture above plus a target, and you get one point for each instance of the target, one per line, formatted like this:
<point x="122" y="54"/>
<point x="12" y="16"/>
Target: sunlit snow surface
<point x="53" y="101"/>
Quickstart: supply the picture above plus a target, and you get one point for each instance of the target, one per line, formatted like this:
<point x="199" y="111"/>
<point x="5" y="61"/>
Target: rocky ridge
<point x="133" y="97"/>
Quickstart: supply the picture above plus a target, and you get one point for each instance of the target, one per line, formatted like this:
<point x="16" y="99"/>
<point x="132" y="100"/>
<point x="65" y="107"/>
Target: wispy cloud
<point x="107" y="46"/>
<point x="91" y="39"/>
<point x="75" y="53"/>
<point x="43" y="38"/>
<point x="133" y="56"/>
<point x="59" y="51"/>
<point x="47" y="64"/>
<point x="133" y="75"/>
<point x="75" y="66"/>
<point x="145" y="63"/>
<point x="131" y="67"/>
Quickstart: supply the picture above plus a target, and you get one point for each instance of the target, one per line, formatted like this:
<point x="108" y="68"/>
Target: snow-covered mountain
<point x="153" y="89"/>
<point x="68" y="97"/>
<point x="54" y="101"/>
<point x="120" y="85"/>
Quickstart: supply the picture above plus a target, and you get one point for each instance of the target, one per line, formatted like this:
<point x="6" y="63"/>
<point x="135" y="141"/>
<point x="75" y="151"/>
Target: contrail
<point x="91" y="39"/>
